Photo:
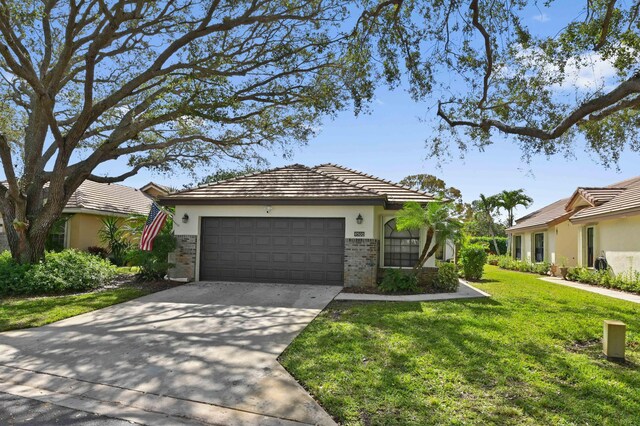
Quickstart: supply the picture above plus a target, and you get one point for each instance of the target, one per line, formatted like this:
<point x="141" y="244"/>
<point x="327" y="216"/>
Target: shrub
<point x="494" y="259"/>
<point x="488" y="241"/>
<point x="67" y="271"/>
<point x="112" y="234"/>
<point x="507" y="262"/>
<point x="447" y="279"/>
<point x="154" y="264"/>
<point x="627" y="281"/>
<point x="473" y="257"/>
<point x="398" y="280"/>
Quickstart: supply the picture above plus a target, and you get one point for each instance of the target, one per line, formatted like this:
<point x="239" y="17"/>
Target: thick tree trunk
<point x="27" y="225"/>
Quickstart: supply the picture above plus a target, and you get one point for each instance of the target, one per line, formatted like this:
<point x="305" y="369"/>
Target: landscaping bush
<point x="629" y="281"/>
<point x="447" y="279"/>
<point x="154" y="264"/>
<point x="507" y="262"/>
<point x="488" y="241"/>
<point x="398" y="280"/>
<point x="472" y="258"/>
<point x="494" y="259"/>
<point x="67" y="271"/>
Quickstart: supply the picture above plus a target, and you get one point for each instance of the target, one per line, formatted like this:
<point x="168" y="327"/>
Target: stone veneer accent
<point x="184" y="257"/>
<point x="360" y="262"/>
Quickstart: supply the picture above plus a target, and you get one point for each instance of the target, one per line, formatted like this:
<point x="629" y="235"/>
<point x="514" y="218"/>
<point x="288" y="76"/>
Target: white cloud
<point x="588" y="72"/>
<point x="542" y="17"/>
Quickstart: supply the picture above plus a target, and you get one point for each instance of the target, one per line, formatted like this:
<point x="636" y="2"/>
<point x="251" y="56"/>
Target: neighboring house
<point x="296" y="224"/>
<point x="578" y="229"/>
<point x="155" y="190"/>
<point x="84" y="212"/>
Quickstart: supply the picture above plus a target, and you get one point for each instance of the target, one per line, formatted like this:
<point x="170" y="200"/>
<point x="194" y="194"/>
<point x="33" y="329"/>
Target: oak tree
<point x="156" y="84"/>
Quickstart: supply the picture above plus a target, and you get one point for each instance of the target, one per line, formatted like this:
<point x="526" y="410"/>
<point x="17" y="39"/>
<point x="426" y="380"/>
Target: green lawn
<point x="528" y="355"/>
<point x="18" y="313"/>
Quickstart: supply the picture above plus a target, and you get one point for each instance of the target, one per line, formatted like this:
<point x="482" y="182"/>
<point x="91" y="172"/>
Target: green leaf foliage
<point x="473" y="258"/>
<point x="67" y="271"/>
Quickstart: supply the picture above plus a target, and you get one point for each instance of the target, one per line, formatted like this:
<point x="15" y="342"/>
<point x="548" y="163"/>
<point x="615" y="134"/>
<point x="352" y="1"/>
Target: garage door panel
<point x="287" y="250"/>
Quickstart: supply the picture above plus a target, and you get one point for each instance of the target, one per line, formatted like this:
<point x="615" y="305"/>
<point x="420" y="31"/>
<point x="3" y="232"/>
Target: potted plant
<point x="553" y="269"/>
<point x="564" y="270"/>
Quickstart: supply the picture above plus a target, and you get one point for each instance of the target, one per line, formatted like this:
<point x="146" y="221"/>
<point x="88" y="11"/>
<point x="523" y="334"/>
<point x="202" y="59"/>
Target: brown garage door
<point x="272" y="250"/>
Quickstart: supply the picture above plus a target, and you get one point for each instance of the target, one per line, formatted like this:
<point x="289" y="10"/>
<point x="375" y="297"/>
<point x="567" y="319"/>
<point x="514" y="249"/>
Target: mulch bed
<point x="131" y="281"/>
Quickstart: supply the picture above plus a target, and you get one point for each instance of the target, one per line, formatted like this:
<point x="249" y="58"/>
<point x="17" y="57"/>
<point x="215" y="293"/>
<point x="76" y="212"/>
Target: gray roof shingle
<point x="543" y="217"/>
<point x="326" y="183"/>
<point x="109" y="198"/>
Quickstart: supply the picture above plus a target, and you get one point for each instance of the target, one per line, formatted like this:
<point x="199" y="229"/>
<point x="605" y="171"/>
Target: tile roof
<point x="109" y="198"/>
<point x="616" y="199"/>
<point x="324" y="183"/>
<point x="625" y="201"/>
<point x="543" y="217"/>
<point x="394" y="192"/>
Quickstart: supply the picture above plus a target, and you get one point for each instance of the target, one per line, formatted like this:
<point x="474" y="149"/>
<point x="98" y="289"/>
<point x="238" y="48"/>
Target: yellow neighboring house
<point x="575" y="231"/>
<point x="88" y="205"/>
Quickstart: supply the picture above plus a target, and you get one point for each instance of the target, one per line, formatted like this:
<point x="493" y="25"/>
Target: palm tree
<point x="439" y="220"/>
<point x="509" y="200"/>
<point x="487" y="207"/>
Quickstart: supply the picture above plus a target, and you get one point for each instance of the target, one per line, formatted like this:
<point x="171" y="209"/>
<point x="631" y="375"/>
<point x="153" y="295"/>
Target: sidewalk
<point x="617" y="294"/>
<point x="465" y="291"/>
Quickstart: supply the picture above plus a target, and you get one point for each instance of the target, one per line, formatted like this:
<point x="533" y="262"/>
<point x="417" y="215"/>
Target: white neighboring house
<point x="311" y="225"/>
<point x="577" y="230"/>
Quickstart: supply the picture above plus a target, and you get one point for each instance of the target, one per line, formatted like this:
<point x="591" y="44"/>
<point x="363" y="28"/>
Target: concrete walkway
<point x="465" y="291"/>
<point x="202" y="353"/>
<point x="617" y="294"/>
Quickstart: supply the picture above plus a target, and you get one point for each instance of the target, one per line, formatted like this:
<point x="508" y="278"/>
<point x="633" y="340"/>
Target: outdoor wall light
<point x="185" y="218"/>
<point x="268" y="209"/>
<point x="359" y="219"/>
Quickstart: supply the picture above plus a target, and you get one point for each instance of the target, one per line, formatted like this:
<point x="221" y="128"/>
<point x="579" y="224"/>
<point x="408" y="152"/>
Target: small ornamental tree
<point x="437" y="218"/>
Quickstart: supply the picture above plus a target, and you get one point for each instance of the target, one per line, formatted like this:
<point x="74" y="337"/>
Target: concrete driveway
<point x="202" y="352"/>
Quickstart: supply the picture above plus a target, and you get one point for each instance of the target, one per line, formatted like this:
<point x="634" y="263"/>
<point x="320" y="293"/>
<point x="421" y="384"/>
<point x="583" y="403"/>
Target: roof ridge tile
<point x="380" y="179"/>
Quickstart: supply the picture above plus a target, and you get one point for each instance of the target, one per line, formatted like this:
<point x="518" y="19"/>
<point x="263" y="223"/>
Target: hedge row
<point x="488" y="241"/>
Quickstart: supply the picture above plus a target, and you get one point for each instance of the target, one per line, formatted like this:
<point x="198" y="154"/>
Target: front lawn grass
<point x="16" y="313"/>
<point x="530" y="354"/>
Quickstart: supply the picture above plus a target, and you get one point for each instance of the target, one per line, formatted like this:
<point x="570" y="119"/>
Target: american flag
<point x="154" y="224"/>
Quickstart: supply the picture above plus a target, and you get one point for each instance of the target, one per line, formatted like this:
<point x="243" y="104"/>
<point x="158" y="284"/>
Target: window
<point x="517" y="247"/>
<point x="538" y="245"/>
<point x="590" y="247"/>
<point x="56" y="238"/>
<point x="401" y="248"/>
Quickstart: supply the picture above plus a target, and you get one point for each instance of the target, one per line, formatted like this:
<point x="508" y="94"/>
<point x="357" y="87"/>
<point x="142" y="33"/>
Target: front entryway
<point x="272" y="250"/>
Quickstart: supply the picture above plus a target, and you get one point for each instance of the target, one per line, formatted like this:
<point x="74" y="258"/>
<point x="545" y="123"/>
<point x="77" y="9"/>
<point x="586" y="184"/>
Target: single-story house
<point x="577" y="230"/>
<point x="84" y="211"/>
<point x="312" y="225"/>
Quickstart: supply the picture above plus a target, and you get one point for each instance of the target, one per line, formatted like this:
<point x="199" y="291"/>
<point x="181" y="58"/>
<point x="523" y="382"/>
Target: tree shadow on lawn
<point x="453" y="359"/>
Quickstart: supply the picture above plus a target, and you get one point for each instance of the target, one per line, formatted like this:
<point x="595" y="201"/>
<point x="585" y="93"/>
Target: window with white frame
<point x="590" y="246"/>
<point x="538" y="247"/>
<point x="517" y="247"/>
<point x="401" y="248"/>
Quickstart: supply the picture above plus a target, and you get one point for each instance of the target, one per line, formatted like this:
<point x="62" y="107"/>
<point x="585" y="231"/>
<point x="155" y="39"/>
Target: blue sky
<point x="390" y="143"/>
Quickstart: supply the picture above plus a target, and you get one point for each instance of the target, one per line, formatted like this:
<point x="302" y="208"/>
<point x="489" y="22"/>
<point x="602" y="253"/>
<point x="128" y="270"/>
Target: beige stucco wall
<point x="620" y="240"/>
<point x="82" y="231"/>
<point x="566" y="243"/>
<point x="527" y="244"/>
